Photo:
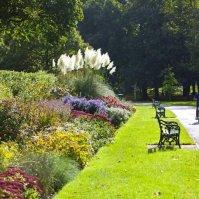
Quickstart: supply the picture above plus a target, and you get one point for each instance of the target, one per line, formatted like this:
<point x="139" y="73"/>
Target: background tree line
<point x="143" y="37"/>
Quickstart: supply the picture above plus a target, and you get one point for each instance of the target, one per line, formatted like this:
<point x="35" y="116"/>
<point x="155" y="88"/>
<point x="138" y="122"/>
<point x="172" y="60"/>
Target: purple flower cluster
<point x="13" y="183"/>
<point x="91" y="106"/>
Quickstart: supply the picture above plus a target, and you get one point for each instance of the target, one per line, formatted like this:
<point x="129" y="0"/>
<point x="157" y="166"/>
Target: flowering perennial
<point x="112" y="101"/>
<point x="83" y="114"/>
<point x="15" y="182"/>
<point x="93" y="59"/>
<point x="93" y="106"/>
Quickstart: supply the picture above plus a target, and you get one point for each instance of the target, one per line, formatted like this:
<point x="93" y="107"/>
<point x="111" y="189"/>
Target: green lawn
<point x="183" y="103"/>
<point x="125" y="170"/>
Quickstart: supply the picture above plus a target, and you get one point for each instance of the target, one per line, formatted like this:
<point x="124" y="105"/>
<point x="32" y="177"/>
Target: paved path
<point x="186" y="115"/>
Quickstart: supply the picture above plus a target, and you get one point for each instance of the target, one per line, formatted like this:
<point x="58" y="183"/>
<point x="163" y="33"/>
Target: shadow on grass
<point x="155" y="148"/>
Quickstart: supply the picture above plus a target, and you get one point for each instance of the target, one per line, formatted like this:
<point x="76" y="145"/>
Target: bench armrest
<point x="171" y="123"/>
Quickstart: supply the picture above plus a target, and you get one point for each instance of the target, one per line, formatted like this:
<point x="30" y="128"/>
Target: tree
<point x="34" y="32"/>
<point x="170" y="83"/>
<point x="143" y="37"/>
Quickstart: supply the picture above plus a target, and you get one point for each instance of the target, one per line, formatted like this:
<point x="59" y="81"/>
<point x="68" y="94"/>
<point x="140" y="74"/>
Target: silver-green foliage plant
<point x="118" y="115"/>
<point x="53" y="170"/>
<point x="92" y="86"/>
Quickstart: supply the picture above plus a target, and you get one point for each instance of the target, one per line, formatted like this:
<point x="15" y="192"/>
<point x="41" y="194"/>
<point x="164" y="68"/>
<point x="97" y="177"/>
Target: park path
<point x="186" y="115"/>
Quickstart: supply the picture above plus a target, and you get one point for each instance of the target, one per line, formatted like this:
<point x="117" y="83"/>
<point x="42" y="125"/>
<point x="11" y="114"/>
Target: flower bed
<point x="48" y="141"/>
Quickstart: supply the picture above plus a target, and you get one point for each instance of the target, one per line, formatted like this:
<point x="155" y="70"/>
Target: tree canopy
<point x="144" y="37"/>
<point x="33" y="32"/>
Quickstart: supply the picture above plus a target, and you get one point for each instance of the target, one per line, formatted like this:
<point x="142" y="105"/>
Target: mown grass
<point x="179" y="103"/>
<point x="125" y="170"/>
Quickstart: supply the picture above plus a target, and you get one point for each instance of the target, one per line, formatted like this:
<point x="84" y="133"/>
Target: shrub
<point x="102" y="132"/>
<point x="45" y="113"/>
<point x="8" y="152"/>
<point x="15" y="183"/>
<point x="72" y="143"/>
<point x="53" y="170"/>
<point x="5" y="92"/>
<point x="118" y="116"/>
<point x="28" y="86"/>
<point x="91" y="86"/>
<point x="20" y="120"/>
<point x="10" y="120"/>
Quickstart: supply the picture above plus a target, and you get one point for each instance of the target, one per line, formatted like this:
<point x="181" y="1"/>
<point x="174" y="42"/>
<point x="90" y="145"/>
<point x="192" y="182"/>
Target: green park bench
<point x="169" y="132"/>
<point x="155" y="103"/>
<point x="160" y="110"/>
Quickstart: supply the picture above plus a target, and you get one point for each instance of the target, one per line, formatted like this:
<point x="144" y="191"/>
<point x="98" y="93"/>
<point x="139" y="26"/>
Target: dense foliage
<point x="47" y="136"/>
<point x="144" y="38"/>
<point x="34" y="32"/>
<point x="27" y="86"/>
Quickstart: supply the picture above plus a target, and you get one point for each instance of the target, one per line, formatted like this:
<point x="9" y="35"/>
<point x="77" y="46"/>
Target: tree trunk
<point x="193" y="88"/>
<point x="144" y="93"/>
<point x="157" y="97"/>
<point x="186" y="89"/>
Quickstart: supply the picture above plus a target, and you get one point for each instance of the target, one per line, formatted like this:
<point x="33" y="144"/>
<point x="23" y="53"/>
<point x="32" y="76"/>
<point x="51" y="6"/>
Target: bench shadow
<point x="195" y="123"/>
<point x="155" y="148"/>
<point x="166" y="117"/>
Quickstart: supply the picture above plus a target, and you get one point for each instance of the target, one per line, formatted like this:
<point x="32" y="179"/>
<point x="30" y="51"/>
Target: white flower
<point x="97" y="60"/>
<point x="53" y="63"/>
<point x="71" y="65"/>
<point x="110" y="66"/>
<point x="112" y="70"/>
<point x="89" y="56"/>
<point x="106" y="59"/>
<point x="79" y="58"/>
<point x="62" y="63"/>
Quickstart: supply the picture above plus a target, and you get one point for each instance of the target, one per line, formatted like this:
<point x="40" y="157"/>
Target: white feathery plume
<point x="53" y="63"/>
<point x="78" y="60"/>
<point x="110" y="66"/>
<point x="88" y="55"/>
<point x="71" y="64"/>
<point x="112" y="70"/>
<point x="62" y="63"/>
<point x="106" y="59"/>
<point x="97" y="60"/>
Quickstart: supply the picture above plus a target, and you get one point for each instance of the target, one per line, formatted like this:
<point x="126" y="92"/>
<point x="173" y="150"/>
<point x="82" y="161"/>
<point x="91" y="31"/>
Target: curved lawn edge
<point x="124" y="169"/>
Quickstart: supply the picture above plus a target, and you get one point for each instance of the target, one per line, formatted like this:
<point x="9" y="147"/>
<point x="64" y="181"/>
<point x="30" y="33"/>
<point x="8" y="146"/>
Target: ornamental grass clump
<point x="53" y="170"/>
<point x="92" y="59"/>
<point x="86" y="74"/>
